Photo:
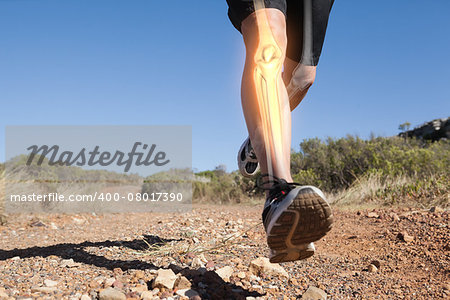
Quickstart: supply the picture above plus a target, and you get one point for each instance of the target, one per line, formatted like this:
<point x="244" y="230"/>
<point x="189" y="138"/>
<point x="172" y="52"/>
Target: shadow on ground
<point x="212" y="285"/>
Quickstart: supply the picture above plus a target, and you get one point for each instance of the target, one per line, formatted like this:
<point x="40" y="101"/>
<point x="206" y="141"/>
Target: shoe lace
<point x="276" y="186"/>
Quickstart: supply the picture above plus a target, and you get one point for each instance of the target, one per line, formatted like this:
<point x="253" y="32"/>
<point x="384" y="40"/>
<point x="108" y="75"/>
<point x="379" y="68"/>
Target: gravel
<point x="155" y="256"/>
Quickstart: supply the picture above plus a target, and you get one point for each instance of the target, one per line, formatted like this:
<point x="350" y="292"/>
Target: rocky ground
<point x="218" y="252"/>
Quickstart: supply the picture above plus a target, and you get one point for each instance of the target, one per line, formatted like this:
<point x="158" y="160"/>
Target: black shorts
<point x="306" y="24"/>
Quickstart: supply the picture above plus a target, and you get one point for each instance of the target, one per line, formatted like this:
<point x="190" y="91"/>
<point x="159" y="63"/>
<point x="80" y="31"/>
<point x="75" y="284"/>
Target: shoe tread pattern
<point x="314" y="221"/>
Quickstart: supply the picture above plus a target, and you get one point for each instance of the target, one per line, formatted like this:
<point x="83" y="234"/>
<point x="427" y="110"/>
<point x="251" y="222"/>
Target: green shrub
<point x="335" y="164"/>
<point x="224" y="188"/>
<point x="386" y="170"/>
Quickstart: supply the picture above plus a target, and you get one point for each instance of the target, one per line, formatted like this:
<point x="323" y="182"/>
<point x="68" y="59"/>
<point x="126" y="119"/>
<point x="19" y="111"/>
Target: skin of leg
<point x="250" y="105"/>
<point x="298" y="79"/>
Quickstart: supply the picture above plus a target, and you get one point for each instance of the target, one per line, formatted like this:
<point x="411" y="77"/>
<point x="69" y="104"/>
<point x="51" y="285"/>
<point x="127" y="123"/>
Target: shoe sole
<point x="303" y="220"/>
<point x="292" y="254"/>
<point x="242" y="164"/>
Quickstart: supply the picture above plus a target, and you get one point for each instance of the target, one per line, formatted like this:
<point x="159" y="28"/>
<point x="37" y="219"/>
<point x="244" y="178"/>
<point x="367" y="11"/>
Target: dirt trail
<point x="75" y="256"/>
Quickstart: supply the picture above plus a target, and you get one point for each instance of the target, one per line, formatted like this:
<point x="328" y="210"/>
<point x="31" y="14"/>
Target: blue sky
<point x="144" y="62"/>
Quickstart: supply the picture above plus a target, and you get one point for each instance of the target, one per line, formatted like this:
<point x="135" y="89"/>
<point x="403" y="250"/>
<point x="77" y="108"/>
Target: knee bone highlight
<point x="269" y="62"/>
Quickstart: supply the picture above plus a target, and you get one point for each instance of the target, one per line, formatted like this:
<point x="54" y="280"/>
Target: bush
<point x="335" y="164"/>
<point x="383" y="170"/>
<point x="223" y="187"/>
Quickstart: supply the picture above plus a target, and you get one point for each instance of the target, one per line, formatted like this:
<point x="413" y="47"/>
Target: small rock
<point x="15" y="258"/>
<point x="373" y="214"/>
<point x="404" y="236"/>
<point x="241" y="275"/>
<point x="3" y="295"/>
<point x="77" y="221"/>
<point x="147" y="295"/>
<point x="394" y="216"/>
<point x="85" y="297"/>
<point x="313" y="293"/>
<point x="257" y="288"/>
<point x="69" y="263"/>
<point x="254" y="278"/>
<point x="197" y="263"/>
<point x="376" y="263"/>
<point x="182" y="283"/>
<point x="50" y="283"/>
<point x="109" y="282"/>
<point x="262" y="265"/>
<point x="94" y="284"/>
<point x="372" y="269"/>
<point x="225" y="273"/>
<point x="139" y="288"/>
<point x="165" y="279"/>
<point x="43" y="289"/>
<point x="112" y="294"/>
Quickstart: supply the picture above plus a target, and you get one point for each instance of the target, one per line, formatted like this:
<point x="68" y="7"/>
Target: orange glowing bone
<point x="269" y="62"/>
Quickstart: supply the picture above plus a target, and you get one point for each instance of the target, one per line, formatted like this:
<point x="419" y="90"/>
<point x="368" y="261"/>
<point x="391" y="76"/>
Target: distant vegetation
<point x="17" y="169"/>
<point x="43" y="179"/>
<point x="351" y="170"/>
<point x="336" y="164"/>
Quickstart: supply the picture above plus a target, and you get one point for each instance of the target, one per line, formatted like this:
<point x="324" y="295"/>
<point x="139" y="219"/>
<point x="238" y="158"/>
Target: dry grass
<point x="364" y="189"/>
<point x="188" y="245"/>
<point x="375" y="190"/>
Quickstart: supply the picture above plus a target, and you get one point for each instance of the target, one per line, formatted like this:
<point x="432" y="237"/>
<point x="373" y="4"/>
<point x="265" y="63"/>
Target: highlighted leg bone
<point x="269" y="60"/>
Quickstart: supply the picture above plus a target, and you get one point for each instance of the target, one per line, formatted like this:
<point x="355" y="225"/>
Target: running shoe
<point x="294" y="217"/>
<point x="247" y="161"/>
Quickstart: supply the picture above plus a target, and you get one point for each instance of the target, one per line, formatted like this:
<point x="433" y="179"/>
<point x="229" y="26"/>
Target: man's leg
<point x="293" y="216"/>
<point x="298" y="79"/>
<point x="271" y="137"/>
